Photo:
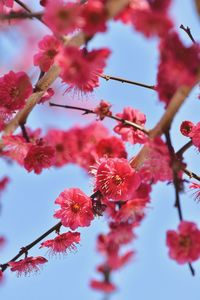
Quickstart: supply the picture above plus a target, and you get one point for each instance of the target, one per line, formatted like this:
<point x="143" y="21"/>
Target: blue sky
<point x="28" y="203"/>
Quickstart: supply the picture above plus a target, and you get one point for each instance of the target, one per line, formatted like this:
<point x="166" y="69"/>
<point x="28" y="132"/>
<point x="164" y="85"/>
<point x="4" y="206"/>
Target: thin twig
<point x="184" y="148"/>
<point x="191" y="174"/>
<point x="90" y="111"/>
<point x="123" y="80"/>
<point x="24" y="133"/>
<point x="20" y="15"/>
<point x="177" y="185"/>
<point x="188" y="31"/>
<point x="23" y="5"/>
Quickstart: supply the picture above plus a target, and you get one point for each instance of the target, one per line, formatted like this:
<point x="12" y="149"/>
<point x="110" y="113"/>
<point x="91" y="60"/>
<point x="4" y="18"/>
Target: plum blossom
<point x="27" y="265"/>
<point x="76" y="208"/>
<point x="184" y="244"/>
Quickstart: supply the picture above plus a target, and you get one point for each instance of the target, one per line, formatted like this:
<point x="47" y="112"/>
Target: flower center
<point x="117" y="179"/>
<point x="75" y="207"/>
<point x="185" y="241"/>
<point x="51" y="53"/>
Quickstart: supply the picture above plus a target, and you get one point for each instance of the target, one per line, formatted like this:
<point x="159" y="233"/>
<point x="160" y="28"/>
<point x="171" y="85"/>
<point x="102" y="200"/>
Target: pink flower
<point x="103" y="109"/>
<point x="15" y="147"/>
<point x="129" y="133"/>
<point x="94" y="17"/>
<point x="103" y="286"/>
<point x="184" y="244"/>
<point x="195" y="135"/>
<point x="62" y="18"/>
<point x="132" y="211"/>
<point x="119" y="261"/>
<point x="39" y="157"/>
<point x="80" y="68"/>
<point x="3" y="183"/>
<point x="7" y="3"/>
<point x="186" y="128"/>
<point x="110" y="147"/>
<point x="196" y="187"/>
<point x="49" y="47"/>
<point x="76" y="208"/>
<point x="2" y="241"/>
<point x="27" y="265"/>
<point x="126" y="14"/>
<point x="177" y="61"/>
<point x="157" y="166"/>
<point x="63" y="242"/>
<point x="15" y="88"/>
<point x="116" y="179"/>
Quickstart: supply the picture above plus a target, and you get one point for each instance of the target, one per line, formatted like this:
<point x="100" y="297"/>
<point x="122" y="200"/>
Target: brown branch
<point x="90" y="111"/>
<point x="191" y="174"/>
<point x="21" y="15"/>
<point x="184" y="148"/>
<point x="55" y="228"/>
<point x="188" y="31"/>
<point x="123" y="80"/>
<point x="24" y="6"/>
<point x="24" y="133"/>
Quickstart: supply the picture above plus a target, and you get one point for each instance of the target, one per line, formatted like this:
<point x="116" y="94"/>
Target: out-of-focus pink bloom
<point x="76" y="208"/>
<point x="178" y="66"/>
<point x="94" y="17"/>
<point x="80" y="68"/>
<point x="38" y="158"/>
<point x="7" y="3"/>
<point x="62" y="243"/>
<point x="195" y="135"/>
<point x="111" y="147"/>
<point x="3" y="183"/>
<point x="103" y="109"/>
<point x="132" y="211"/>
<point x="184" y="244"/>
<point x="62" y="18"/>
<point x="119" y="261"/>
<point x="129" y="133"/>
<point x="27" y="265"/>
<point x="157" y="166"/>
<point x="49" y="47"/>
<point x="15" y="88"/>
<point x="15" y="147"/>
<point x="116" y="179"/>
<point x="103" y="286"/>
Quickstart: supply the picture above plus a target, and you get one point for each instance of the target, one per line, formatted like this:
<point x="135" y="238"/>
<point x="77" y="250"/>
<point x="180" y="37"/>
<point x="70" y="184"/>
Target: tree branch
<point x="90" y="111"/>
<point x="188" y="31"/>
<point x="123" y="80"/>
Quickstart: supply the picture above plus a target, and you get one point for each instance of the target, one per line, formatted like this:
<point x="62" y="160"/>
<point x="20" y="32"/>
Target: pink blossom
<point x="119" y="261"/>
<point x="102" y="286"/>
<point x="16" y="147"/>
<point x="186" y="128"/>
<point x="62" y="18"/>
<point x="63" y="243"/>
<point x="7" y="3"/>
<point x="103" y="110"/>
<point x="184" y="244"/>
<point x="80" y="68"/>
<point x="76" y="208"/>
<point x="94" y="17"/>
<point x="157" y="166"/>
<point x="15" y="88"/>
<point x="195" y="135"/>
<point x="27" y="265"/>
<point x="49" y="47"/>
<point x="129" y="133"/>
<point x="179" y="62"/>
<point x="110" y="147"/>
<point x="39" y="157"/>
<point x="116" y="179"/>
<point x="132" y="211"/>
<point x="196" y="187"/>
